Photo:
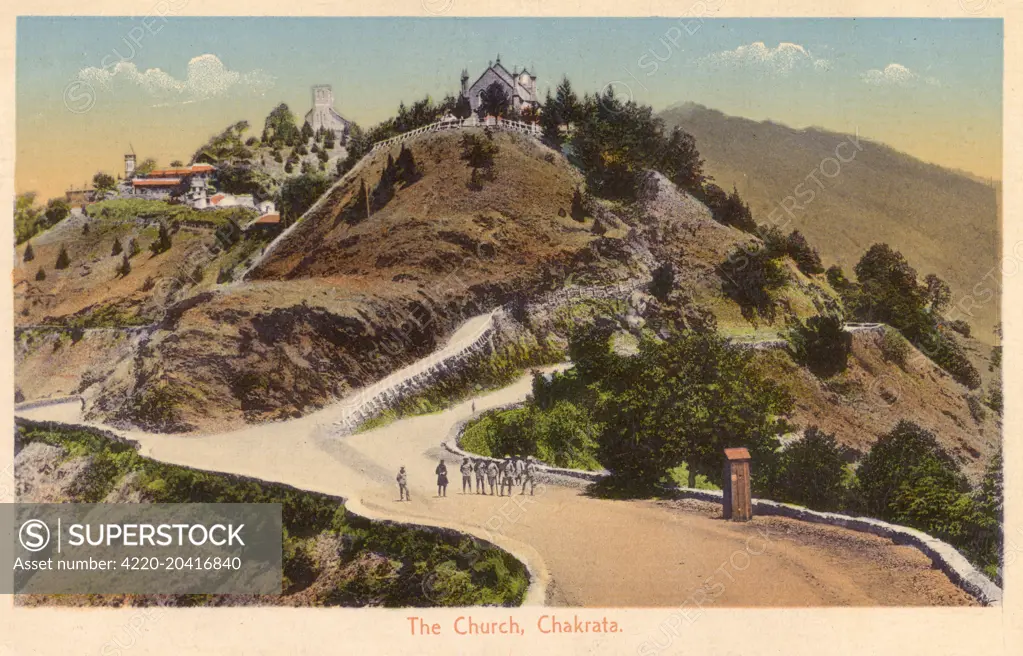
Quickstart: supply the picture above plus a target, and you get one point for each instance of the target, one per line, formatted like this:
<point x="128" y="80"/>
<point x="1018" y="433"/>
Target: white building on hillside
<point x="323" y="115"/>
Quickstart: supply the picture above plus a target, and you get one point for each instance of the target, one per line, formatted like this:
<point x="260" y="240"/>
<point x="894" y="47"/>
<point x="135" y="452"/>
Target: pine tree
<point x="29" y="254"/>
<point x="133" y="247"/>
<point x="40" y="274"/>
<point x="568" y="107"/>
<point x="550" y="122"/>
<point x="116" y="250"/>
<point x="307" y="132"/>
<point x="124" y="268"/>
<point x="163" y="241"/>
<point x="63" y="261"/>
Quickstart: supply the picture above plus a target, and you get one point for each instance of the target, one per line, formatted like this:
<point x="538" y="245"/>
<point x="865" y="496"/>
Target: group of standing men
<point x="505" y="473"/>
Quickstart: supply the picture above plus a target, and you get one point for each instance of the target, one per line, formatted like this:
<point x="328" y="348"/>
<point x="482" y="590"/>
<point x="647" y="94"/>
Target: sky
<point x="88" y="89"/>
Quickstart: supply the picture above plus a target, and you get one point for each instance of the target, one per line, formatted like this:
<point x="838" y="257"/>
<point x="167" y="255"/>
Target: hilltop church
<point x="520" y="87"/>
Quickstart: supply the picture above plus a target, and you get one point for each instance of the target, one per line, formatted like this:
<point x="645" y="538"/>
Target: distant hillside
<point x="942" y="221"/>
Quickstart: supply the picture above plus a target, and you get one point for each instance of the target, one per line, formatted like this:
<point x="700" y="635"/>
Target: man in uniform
<point x="466" y="470"/>
<point x="508" y="475"/>
<point x="492" y="472"/>
<point x="520" y="469"/>
<point x="403" y="485"/>
<point x="528" y="475"/>
<point x="481" y="473"/>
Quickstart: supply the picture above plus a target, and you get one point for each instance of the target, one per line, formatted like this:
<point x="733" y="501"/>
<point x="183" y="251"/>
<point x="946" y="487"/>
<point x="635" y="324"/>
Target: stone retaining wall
<point x="406" y="382"/>
<point x="42" y="403"/>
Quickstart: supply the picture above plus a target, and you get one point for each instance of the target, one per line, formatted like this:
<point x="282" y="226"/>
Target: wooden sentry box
<point x="738" y="501"/>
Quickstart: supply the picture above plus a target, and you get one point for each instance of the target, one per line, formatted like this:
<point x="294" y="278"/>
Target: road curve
<point x="582" y="551"/>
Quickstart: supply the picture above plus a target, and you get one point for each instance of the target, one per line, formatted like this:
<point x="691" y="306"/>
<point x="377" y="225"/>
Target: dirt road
<point x="583" y="551"/>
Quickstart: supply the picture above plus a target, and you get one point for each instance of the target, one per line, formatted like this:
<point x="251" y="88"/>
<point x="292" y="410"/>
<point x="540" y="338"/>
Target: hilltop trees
<point x="550" y="122"/>
<point x="280" y="128"/>
<point x="568" y="108"/>
<point x="57" y="210"/>
<point x="493" y="101"/>
<point x="680" y="162"/>
<point x="147" y="166"/>
<point x="462" y="109"/>
<point x="103" y="182"/>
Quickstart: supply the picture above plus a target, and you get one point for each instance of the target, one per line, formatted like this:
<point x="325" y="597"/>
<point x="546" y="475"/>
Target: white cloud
<point x="895" y="75"/>
<point x="786" y="58"/>
<point x="206" y="77"/>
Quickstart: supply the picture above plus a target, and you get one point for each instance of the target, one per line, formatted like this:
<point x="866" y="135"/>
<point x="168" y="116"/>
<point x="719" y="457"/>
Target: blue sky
<point x="930" y="87"/>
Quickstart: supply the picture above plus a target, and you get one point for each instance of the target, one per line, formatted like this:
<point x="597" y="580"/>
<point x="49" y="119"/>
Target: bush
<point x="945" y="350"/>
<point x="749" y="275"/>
<point x="116" y="249"/>
<point x="40" y="274"/>
<point x="908" y="478"/>
<point x="822" y="344"/>
<point x="811" y="472"/>
<point x="894" y="347"/>
<point x="977" y="410"/>
<point x="29" y="254"/>
<point x="663" y="281"/>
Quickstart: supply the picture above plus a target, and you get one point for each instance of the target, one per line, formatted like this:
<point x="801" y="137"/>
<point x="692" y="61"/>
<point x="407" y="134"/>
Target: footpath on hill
<point x="581" y="550"/>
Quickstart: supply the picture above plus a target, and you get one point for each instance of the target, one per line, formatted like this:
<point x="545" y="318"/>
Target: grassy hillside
<point x="942" y="221"/>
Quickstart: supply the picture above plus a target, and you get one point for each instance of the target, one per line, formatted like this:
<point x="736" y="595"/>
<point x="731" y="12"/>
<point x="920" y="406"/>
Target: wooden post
<point x="737" y="498"/>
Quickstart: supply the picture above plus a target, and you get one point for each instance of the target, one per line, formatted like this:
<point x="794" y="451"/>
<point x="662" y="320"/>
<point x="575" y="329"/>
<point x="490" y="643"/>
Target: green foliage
<point x="162" y="243"/>
<point x="894" y="347"/>
<point x="103" y="182"/>
<point x="908" y="478"/>
<point x="960" y="326"/>
<point x="299" y="193"/>
<point x="680" y="161"/>
<point x="614" y="143"/>
<point x="805" y="256"/>
<point x="129" y="210"/>
<point x="550" y="123"/>
<point x="563" y="435"/>
<point x="684" y="399"/>
<point x="493" y="101"/>
<point x="63" y="260"/>
<point x="938" y="294"/>
<point x="811" y="472"/>
<point x="147" y="166"/>
<point x="821" y="344"/>
<point x="279" y="127"/>
<point x="749" y="276"/>
<point x="478" y="152"/>
<point x="57" y="210"/>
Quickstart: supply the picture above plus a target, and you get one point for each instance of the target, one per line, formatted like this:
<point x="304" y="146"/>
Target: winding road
<point x="581" y="551"/>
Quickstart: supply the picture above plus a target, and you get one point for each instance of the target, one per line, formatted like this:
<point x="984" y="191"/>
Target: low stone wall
<point x="42" y="403"/>
<point x="407" y="382"/>
<point x="943" y="555"/>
